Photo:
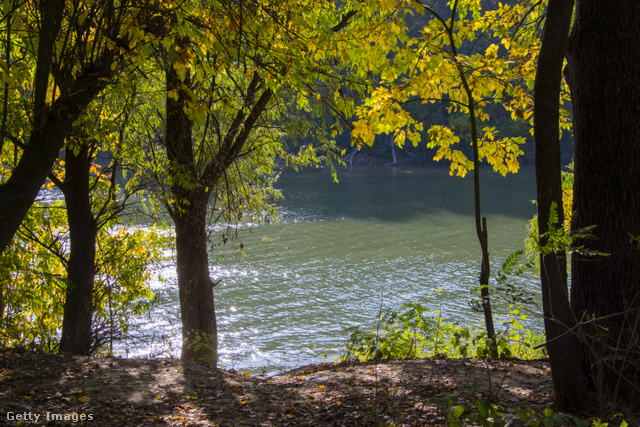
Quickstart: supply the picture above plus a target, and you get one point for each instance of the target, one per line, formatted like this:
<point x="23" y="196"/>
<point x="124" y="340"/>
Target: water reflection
<point x="398" y="195"/>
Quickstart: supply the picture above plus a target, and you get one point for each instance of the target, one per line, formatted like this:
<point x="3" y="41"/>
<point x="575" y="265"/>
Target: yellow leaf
<point x="400" y="138"/>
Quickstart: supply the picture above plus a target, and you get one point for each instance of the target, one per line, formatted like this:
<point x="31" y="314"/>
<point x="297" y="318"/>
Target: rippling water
<point x="379" y="238"/>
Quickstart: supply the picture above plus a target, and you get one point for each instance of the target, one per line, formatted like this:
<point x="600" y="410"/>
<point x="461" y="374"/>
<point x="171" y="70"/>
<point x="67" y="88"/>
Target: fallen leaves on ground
<point x="126" y="392"/>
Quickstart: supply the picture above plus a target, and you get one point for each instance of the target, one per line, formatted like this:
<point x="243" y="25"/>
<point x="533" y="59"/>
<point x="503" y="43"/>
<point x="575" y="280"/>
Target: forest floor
<point x="49" y="389"/>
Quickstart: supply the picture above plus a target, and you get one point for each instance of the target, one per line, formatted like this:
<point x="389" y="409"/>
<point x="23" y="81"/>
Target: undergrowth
<point x="415" y="331"/>
<point x="485" y="414"/>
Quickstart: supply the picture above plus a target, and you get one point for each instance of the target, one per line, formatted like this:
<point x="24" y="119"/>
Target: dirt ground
<point x="70" y="390"/>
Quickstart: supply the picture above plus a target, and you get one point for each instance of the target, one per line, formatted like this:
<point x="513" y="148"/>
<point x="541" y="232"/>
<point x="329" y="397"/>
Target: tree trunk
<point x="569" y="383"/>
<point x="43" y="147"/>
<point x="480" y="221"/>
<point x="603" y="74"/>
<point x="19" y="192"/>
<point x="393" y="149"/>
<point x="481" y="226"/>
<point x="78" y="306"/>
<point x="199" y="330"/>
<point x="192" y="181"/>
<point x="189" y="214"/>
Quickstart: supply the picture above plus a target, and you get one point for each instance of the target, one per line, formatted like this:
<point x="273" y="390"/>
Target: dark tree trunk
<point x="189" y="214"/>
<point x="52" y="122"/>
<point x="78" y="307"/>
<point x="603" y="75"/>
<point x="192" y="183"/>
<point x="199" y="330"/>
<point x="570" y="385"/>
<point x="43" y="147"/>
<point x="19" y="192"/>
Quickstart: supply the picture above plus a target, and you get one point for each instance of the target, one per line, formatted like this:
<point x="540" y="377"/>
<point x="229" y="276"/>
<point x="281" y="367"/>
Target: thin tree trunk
<point x="480" y="221"/>
<point x="483" y="238"/>
<point x="603" y="74"/>
<point x="570" y="385"/>
<point x="393" y="148"/>
<point x="78" y="307"/>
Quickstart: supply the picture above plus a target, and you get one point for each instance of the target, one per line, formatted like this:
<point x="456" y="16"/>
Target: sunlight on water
<point x="341" y="252"/>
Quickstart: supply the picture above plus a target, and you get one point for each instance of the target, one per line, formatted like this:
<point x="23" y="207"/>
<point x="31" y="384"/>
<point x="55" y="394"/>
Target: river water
<point x="379" y="238"/>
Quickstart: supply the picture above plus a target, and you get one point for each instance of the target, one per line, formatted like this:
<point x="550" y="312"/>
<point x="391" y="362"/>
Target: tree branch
<point x="346" y="18"/>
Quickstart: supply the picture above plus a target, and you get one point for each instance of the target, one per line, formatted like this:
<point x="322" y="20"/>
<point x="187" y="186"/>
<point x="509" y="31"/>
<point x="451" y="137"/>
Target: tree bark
<point x="199" y="329"/>
<point x="603" y="71"/>
<point x="18" y="193"/>
<point x="570" y="385"/>
<point x="481" y="224"/>
<point x="78" y="307"/>
<point x="43" y="147"/>
<point x="189" y="214"/>
<point x="191" y="185"/>
<point x="480" y="221"/>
